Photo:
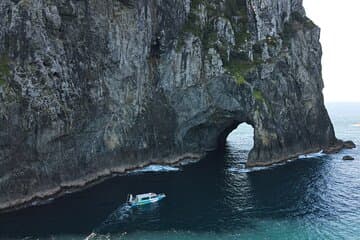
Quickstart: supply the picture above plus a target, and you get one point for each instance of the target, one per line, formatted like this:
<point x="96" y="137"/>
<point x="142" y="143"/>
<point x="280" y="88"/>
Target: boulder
<point x="348" y="158"/>
<point x="349" y="145"/>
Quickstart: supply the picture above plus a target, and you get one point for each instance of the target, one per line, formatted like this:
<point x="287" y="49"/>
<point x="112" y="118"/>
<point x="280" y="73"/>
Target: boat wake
<point x="120" y="215"/>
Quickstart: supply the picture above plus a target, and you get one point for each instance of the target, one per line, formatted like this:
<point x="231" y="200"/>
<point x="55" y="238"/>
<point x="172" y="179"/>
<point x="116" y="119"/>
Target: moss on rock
<point x="239" y="68"/>
<point x="258" y="96"/>
<point x="234" y="10"/>
<point x="296" y="22"/>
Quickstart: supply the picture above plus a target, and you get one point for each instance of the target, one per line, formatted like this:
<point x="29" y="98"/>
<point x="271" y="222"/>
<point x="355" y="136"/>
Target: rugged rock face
<point x="93" y="87"/>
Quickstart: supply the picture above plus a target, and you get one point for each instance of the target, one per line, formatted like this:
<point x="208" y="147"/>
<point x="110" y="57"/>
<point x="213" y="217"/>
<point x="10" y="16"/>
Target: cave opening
<point x="237" y="139"/>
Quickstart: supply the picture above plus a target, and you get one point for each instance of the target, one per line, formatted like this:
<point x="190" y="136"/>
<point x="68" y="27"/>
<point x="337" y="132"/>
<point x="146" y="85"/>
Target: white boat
<point x="146" y="198"/>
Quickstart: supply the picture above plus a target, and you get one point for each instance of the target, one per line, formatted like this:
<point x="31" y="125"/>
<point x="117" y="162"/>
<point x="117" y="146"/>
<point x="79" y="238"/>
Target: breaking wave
<point x="155" y="168"/>
<point x="241" y="168"/>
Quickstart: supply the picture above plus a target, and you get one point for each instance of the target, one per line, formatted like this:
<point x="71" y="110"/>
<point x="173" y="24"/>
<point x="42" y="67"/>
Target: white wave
<point x="91" y="236"/>
<point x="243" y="169"/>
<point x="247" y="170"/>
<point x="188" y="162"/>
<point x="312" y="155"/>
<point x="156" y="168"/>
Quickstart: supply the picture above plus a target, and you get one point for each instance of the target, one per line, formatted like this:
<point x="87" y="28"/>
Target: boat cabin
<point x="145" y="198"/>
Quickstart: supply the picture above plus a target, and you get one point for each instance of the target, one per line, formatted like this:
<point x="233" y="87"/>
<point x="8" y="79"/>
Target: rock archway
<point x="241" y="138"/>
<point x="91" y="90"/>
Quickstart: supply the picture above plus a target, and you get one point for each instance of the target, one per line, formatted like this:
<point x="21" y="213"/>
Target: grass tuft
<point x="258" y="96"/>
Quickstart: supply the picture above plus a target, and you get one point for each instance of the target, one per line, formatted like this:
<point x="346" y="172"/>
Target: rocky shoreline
<point x="76" y="186"/>
<point x="46" y="197"/>
<point x="339" y="146"/>
<point x="336" y="148"/>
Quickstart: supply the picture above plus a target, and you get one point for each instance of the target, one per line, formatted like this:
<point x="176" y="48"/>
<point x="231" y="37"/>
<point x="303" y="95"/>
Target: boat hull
<point x="149" y="201"/>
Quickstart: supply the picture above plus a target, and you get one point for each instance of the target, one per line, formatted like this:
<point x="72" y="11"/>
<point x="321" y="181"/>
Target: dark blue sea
<point x="314" y="197"/>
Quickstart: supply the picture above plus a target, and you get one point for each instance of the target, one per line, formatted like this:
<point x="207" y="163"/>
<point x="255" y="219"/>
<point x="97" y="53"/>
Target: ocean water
<point x="314" y="197"/>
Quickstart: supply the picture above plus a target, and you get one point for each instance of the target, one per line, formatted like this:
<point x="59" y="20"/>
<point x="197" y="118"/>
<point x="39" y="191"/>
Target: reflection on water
<point x="316" y="197"/>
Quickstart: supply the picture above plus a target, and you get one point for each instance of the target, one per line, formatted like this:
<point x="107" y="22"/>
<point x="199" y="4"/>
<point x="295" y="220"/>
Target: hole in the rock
<point x="237" y="141"/>
<point x="241" y="138"/>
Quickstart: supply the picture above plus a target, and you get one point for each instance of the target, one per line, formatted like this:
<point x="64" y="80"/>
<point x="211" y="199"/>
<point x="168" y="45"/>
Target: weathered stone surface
<point x="349" y="144"/>
<point x="91" y="88"/>
<point x="339" y="145"/>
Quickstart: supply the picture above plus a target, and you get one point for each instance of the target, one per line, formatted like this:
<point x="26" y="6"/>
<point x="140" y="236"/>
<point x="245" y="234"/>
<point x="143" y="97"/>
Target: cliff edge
<point x="91" y="88"/>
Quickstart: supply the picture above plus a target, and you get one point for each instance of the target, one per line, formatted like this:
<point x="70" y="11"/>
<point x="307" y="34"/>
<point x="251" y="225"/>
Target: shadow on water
<point x="205" y="196"/>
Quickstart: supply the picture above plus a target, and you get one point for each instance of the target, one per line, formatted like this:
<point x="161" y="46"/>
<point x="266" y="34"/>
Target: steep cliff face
<point x="90" y="88"/>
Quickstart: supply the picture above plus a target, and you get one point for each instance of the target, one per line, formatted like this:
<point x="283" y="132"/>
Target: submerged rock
<point x="93" y="88"/>
<point x="348" y="158"/>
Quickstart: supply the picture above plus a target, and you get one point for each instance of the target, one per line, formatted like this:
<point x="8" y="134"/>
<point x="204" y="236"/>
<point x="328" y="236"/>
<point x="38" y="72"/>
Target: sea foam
<point x="156" y="168"/>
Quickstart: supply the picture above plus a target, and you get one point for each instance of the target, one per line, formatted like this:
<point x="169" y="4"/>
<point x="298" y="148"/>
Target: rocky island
<point x="92" y="88"/>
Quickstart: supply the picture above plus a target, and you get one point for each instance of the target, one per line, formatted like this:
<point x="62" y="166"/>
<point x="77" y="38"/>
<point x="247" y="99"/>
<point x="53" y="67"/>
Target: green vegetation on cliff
<point x="239" y="69"/>
<point x="296" y="23"/>
<point x="258" y="96"/>
<point x="235" y="11"/>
